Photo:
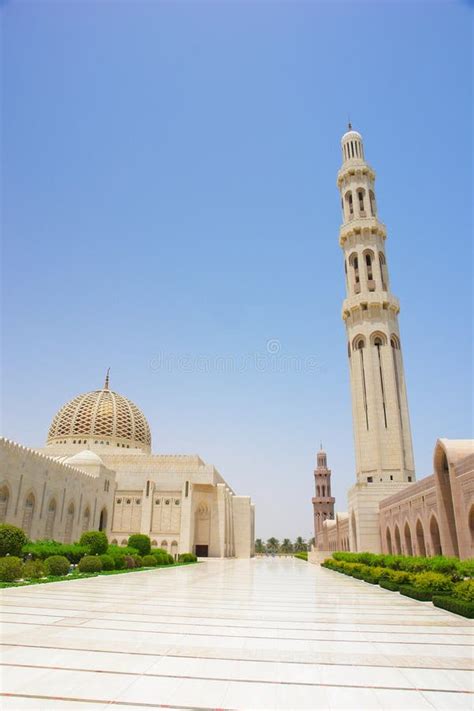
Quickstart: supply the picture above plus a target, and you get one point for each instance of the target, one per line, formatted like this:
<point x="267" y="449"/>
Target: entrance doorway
<point x="202" y="551"/>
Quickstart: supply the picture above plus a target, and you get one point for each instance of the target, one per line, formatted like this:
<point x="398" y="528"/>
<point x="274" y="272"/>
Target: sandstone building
<point x="97" y="471"/>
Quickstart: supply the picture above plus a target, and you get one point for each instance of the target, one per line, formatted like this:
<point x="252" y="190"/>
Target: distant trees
<point x="286" y="547"/>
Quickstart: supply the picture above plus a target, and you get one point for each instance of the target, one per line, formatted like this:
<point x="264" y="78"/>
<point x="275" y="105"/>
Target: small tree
<point x="259" y="546"/>
<point x="12" y="540"/>
<point x="273" y="545"/>
<point x="141" y="542"/>
<point x="286" y="546"/>
<point x="96" y="541"/>
<point x="300" y="545"/>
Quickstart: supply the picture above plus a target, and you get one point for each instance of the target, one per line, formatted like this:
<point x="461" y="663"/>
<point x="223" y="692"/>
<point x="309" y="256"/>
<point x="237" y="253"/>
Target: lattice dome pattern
<point x="102" y="414"/>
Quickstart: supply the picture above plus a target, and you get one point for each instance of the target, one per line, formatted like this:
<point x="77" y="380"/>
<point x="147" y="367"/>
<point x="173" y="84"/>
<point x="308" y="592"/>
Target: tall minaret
<point x="323" y="502"/>
<point x="382" y="434"/>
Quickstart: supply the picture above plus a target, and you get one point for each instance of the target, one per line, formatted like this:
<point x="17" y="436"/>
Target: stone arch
<point x="388" y="538"/>
<point x="50" y="519"/>
<point x="354" y="530"/>
<point x="420" y="538"/>
<point x="408" y="541"/>
<point x="86" y="519"/>
<point x="378" y="338"/>
<point x="114" y="542"/>
<point x="28" y="512"/>
<point x="358" y="342"/>
<point x="154" y="544"/>
<point x="164" y="545"/>
<point x="398" y="542"/>
<point x="435" y="537"/>
<point x="446" y="510"/>
<point x="69" y="522"/>
<point x="4" y="501"/>
<point x="103" y="519"/>
<point x="124" y="542"/>
<point x="174" y="548"/>
<point x="471" y="526"/>
<point x="361" y="201"/>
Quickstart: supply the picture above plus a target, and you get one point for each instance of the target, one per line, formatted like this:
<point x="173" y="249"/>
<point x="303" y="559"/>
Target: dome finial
<point x="320" y="446"/>
<point x="106" y="384"/>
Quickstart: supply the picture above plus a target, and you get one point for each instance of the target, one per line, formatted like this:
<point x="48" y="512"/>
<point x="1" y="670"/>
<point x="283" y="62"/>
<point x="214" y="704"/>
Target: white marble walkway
<point x="259" y="634"/>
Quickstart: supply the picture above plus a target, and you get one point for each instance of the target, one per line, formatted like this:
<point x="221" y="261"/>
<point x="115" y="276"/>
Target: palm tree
<point x="300" y="545"/>
<point x="286" y="546"/>
<point x="259" y="546"/>
<point x="272" y="545"/>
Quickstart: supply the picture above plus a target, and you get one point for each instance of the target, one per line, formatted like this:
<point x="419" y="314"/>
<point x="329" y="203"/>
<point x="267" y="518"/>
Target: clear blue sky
<point x="169" y="191"/>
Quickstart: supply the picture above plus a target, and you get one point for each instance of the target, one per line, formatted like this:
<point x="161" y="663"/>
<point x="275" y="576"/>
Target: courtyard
<point x="230" y="634"/>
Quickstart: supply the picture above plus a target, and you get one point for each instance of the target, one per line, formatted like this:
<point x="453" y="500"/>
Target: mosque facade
<point x="97" y="471"/>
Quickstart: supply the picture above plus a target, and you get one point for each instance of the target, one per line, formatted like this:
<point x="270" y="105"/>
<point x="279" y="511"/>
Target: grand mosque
<point x="97" y="470"/>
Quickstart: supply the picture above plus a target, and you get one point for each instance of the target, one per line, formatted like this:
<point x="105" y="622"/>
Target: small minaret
<point x="323" y="502"/>
<point x="382" y="433"/>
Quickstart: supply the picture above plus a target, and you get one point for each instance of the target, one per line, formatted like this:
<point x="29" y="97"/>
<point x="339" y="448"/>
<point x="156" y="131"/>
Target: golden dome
<point x="103" y="417"/>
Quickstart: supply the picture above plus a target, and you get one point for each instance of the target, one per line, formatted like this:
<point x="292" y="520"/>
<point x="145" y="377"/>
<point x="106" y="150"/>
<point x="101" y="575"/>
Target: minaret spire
<point x="106" y="384"/>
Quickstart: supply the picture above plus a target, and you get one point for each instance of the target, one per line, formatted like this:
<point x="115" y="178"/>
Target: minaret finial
<point x="106" y="385"/>
<point x="320" y="446"/>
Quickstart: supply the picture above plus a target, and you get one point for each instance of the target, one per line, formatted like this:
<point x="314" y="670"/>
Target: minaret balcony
<point x="363" y="302"/>
<point x="358" y="226"/>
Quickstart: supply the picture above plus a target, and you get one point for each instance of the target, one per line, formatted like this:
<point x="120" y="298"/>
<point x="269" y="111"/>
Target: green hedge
<point x="455" y="568"/>
<point x="452" y="604"/>
<point x="389" y="585"/>
<point x="187" y="558"/>
<point x="302" y="555"/>
<point x="416" y="593"/>
<point x="45" y="549"/>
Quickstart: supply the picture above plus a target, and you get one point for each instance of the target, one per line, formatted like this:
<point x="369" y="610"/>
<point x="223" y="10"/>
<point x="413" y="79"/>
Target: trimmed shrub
<point x="452" y="604"/>
<point x="33" y="569"/>
<point x="119" y="562"/>
<point x="466" y="568"/>
<point x="45" y="549"/>
<point x="138" y="561"/>
<point x="108" y="562"/>
<point x="464" y="591"/>
<point x="96" y="541"/>
<point x="11" y="568"/>
<point x="187" y="558"/>
<point x="158" y="550"/>
<point x="440" y="564"/>
<point x="121" y="550"/>
<point x="416" y="593"/>
<point x="141" y="542"/>
<point x="129" y="561"/>
<point x="432" y="582"/>
<point x="389" y="585"/>
<point x="171" y="559"/>
<point x="90" y="564"/>
<point x="12" y="540"/>
<point x="302" y="555"/>
<point x="56" y="565"/>
<point x="161" y="558"/>
<point x="149" y="561"/>
<point x="398" y="577"/>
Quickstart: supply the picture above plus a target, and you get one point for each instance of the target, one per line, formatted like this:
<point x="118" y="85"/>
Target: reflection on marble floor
<point x="230" y="634"/>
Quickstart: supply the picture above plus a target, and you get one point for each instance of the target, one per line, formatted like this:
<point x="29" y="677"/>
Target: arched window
<point x="369" y="260"/>
<point x="408" y="543"/>
<point x="4" y="499"/>
<point x="360" y="196"/>
<point x="359" y="344"/>
<point x="69" y="523"/>
<point x="103" y="519"/>
<point x="50" y="518"/>
<point x="323" y="491"/>
<point x="86" y="520"/>
<point x="349" y="205"/>
<point x="383" y="271"/>
<point x="114" y="542"/>
<point x="379" y="340"/>
<point x="318" y="491"/>
<point x="394" y="342"/>
<point x="164" y="545"/>
<point x="420" y="538"/>
<point x="398" y="543"/>
<point x="174" y="548"/>
<point x="388" y="538"/>
<point x="154" y="544"/>
<point x="354" y="263"/>
<point x="435" y="537"/>
<point x="373" y="206"/>
<point x="28" y="511"/>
